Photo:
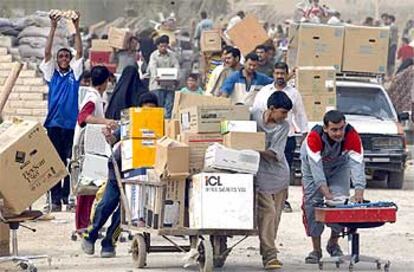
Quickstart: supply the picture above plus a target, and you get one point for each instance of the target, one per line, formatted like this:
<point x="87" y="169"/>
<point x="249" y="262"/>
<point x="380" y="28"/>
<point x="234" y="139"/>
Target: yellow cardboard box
<point x="138" y="153"/>
<point x="142" y="123"/>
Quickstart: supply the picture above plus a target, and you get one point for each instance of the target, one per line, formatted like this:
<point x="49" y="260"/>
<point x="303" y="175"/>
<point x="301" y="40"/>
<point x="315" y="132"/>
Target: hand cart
<point x="208" y="247"/>
<point x="352" y="217"/>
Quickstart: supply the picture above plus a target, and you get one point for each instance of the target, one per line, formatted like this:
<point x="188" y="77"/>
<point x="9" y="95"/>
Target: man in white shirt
<point x="297" y="118"/>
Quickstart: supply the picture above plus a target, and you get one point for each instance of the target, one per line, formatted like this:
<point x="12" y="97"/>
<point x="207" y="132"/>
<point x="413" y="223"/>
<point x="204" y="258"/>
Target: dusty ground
<point x="392" y="241"/>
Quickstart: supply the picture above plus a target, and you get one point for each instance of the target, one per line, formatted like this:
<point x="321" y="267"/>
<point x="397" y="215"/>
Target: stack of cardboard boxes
<point x="321" y="51"/>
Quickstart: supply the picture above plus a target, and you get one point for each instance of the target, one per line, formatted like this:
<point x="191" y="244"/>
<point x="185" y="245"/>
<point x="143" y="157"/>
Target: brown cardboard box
<point x="316" y="80"/>
<point x="366" y="49"/>
<point x="293" y="40"/>
<point x="4" y="240"/>
<point x="172" y="158"/>
<point x="207" y="119"/>
<point x="198" y="144"/>
<point x="118" y="37"/>
<point x="210" y="41"/>
<point x="183" y="100"/>
<point x="245" y="140"/>
<point x="320" y="45"/>
<point x="248" y="34"/>
<point x="172" y="128"/>
<point x="31" y="162"/>
<point x="317" y="106"/>
<point x="101" y="45"/>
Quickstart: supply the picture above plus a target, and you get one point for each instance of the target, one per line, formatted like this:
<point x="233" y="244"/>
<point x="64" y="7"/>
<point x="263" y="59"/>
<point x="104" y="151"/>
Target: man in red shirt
<point x="405" y="54"/>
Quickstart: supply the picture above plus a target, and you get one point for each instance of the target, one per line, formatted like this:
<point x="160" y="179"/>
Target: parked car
<point x="369" y="110"/>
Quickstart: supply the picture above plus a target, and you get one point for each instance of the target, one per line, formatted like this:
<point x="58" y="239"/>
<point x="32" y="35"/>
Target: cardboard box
<point x="185" y="100"/>
<point x="98" y="57"/>
<point x="248" y="34"/>
<point x="145" y="123"/>
<point x="241" y="161"/>
<point x="316" y="80"/>
<point x="210" y="41"/>
<point x="366" y="49"/>
<point x="136" y="200"/>
<point x="95" y="167"/>
<point x="94" y="141"/>
<point x="31" y="162"/>
<point x="4" y="240"/>
<point x="237" y="126"/>
<point x="320" y="45"/>
<point x="101" y="45"/>
<point x="222" y="201"/>
<point x="172" y="128"/>
<point x="172" y="158"/>
<point x="293" y="40"/>
<point x="207" y="119"/>
<point x="153" y="199"/>
<point x="119" y="37"/>
<point x="138" y="153"/>
<point x="198" y="144"/>
<point x="174" y="204"/>
<point x="245" y="140"/>
<point x="140" y="174"/>
<point x="317" y="106"/>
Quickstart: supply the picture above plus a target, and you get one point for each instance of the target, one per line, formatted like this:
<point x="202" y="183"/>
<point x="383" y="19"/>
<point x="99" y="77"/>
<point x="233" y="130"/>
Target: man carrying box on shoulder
<point x="330" y="155"/>
<point x="272" y="180"/>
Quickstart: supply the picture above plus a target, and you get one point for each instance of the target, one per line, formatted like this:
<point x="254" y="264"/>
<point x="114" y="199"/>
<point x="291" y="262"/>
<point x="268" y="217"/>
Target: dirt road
<point x="392" y="241"/>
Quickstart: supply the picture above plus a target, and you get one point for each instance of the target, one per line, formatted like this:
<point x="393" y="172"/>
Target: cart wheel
<point x="24" y="265"/>
<point x="387" y="266"/>
<point x="320" y="264"/>
<point x="139" y="251"/>
<point x="338" y="264"/>
<point x="219" y="247"/>
<point x="378" y="265"/>
<point x="351" y="267"/>
<point x="205" y="249"/>
<point x="74" y="237"/>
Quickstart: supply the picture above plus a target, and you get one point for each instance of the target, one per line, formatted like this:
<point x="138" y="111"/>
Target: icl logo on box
<point x="214" y="184"/>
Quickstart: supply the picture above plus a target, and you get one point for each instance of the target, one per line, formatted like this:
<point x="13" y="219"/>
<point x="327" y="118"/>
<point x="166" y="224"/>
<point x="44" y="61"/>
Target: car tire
<point x="396" y="180"/>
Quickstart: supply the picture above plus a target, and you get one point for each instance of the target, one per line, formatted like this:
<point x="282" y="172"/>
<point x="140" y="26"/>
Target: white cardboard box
<point x="167" y="73"/>
<point x="135" y="198"/>
<point x="237" y="126"/>
<point x="222" y="201"/>
<point x="95" y="142"/>
<point x="95" y="167"/>
<point x="242" y="161"/>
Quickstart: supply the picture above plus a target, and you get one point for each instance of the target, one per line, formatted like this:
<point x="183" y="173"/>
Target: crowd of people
<point x="260" y="80"/>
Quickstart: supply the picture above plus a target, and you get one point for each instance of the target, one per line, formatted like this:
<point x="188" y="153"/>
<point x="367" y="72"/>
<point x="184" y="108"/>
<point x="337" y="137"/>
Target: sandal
<point x="273" y="264"/>
<point x="313" y="257"/>
<point x="334" y="250"/>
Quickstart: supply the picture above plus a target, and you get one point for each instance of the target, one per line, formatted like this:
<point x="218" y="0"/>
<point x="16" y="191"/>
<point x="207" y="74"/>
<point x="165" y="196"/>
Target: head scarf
<point x="126" y="93"/>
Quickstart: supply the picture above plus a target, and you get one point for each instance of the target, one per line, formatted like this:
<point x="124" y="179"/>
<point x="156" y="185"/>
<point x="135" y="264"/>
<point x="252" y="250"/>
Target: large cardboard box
<point x="145" y="123"/>
<point x="198" y="144"/>
<point x="317" y="106"/>
<point x="4" y="240"/>
<point x="316" y="80"/>
<point x="237" y="126"/>
<point x="95" y="167"/>
<point x="293" y="40"/>
<point x="101" y="45"/>
<point x="210" y="41"/>
<point x="242" y="161"/>
<point x="172" y="158"/>
<point x="31" y="162"/>
<point x="138" y="153"/>
<point x="94" y="140"/>
<point x="245" y="140"/>
<point x="248" y="34"/>
<point x="136" y="200"/>
<point x="185" y="100"/>
<point x="366" y="49"/>
<point x="222" y="201"/>
<point x="119" y="37"/>
<point x="320" y="45"/>
<point x="99" y="57"/>
<point x="207" y="119"/>
<point x="172" y="128"/>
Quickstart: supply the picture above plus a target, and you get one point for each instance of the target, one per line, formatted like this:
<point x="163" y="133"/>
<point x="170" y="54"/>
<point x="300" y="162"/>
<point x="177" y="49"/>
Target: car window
<point x="364" y="101"/>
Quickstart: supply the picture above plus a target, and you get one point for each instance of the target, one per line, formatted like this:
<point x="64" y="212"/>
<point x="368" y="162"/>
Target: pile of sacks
<point x="30" y="34"/>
